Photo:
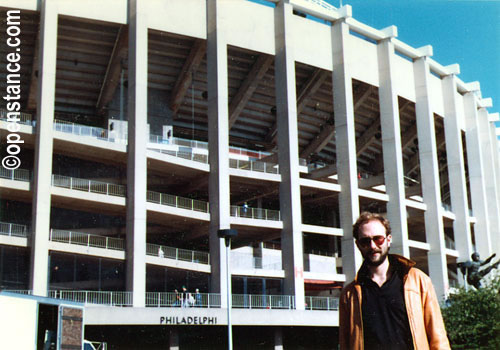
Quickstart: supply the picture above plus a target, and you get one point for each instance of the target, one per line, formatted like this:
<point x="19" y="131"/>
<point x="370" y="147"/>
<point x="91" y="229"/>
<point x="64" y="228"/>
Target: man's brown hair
<point x="366" y="217"/>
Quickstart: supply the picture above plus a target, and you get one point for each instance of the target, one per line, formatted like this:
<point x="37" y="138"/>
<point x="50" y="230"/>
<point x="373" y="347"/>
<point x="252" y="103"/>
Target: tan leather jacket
<point x="424" y="314"/>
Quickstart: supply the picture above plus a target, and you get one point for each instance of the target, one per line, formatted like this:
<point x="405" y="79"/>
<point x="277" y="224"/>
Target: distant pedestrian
<point x="197" y="297"/>
<point x="185" y="297"/>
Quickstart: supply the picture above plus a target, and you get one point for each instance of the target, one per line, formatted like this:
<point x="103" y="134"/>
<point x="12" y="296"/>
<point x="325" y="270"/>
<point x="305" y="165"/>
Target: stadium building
<point x="145" y="129"/>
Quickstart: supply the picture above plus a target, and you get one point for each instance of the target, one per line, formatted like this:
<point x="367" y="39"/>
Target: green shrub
<point x="472" y="317"/>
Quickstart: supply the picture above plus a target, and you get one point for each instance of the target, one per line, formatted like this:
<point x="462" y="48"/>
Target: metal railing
<point x="13" y="230"/>
<point x="255" y="213"/>
<point x="320" y="252"/>
<point x="271" y="245"/>
<point x="248" y="152"/>
<point x="17" y="174"/>
<point x="322" y="303"/>
<point x="24" y="118"/>
<point x="201" y="158"/>
<point x="187" y="300"/>
<point x="88" y="185"/>
<point x="178" y="142"/>
<point x="19" y="291"/>
<point x="176" y="201"/>
<point x="117" y="298"/>
<point x="177" y="254"/>
<point x="86" y="239"/>
<point x="258" y="166"/>
<point x="169" y="299"/>
<point x="251" y="301"/>
<point x="81" y="130"/>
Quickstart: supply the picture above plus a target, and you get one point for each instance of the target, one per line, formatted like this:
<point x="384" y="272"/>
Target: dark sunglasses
<point x="366" y="241"/>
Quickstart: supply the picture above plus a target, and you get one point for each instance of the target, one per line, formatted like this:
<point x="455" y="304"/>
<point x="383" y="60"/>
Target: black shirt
<point x="385" y="321"/>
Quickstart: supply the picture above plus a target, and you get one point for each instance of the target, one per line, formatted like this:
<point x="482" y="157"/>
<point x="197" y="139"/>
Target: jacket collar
<point x="401" y="265"/>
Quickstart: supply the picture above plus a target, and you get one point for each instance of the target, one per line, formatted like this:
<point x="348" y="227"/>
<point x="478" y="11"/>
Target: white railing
<point x="261" y="167"/>
<point x="81" y="130"/>
<point x="178" y="202"/>
<point x="19" y="291"/>
<point x="255" y="213"/>
<point x="202" y="158"/>
<point x="185" y="300"/>
<point x="322" y="303"/>
<point x="271" y="245"/>
<point x="322" y="4"/>
<point x="204" y="145"/>
<point x="86" y="239"/>
<point x="24" y="118"/>
<point x="94" y="297"/>
<point x="178" y="142"/>
<point x="17" y="174"/>
<point x="248" y="152"/>
<point x="251" y="301"/>
<point x="319" y="252"/>
<point x="177" y="253"/>
<point x="88" y="185"/>
<point x="13" y="230"/>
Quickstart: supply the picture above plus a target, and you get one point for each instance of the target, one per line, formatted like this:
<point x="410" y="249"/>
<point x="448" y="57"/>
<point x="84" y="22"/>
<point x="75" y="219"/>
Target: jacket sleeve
<point x="434" y="325"/>
<point x="344" y="317"/>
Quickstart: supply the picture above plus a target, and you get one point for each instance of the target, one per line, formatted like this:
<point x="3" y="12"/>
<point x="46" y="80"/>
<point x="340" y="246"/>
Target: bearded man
<point x="390" y="304"/>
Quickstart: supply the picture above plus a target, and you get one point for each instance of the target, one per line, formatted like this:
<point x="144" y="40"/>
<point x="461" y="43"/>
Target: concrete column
<point x="496" y="161"/>
<point x="429" y="173"/>
<point x="453" y="114"/>
<point x="345" y="139"/>
<point x="136" y="156"/>
<point x="288" y="155"/>
<point x="173" y="339"/>
<point x="476" y="179"/>
<point x="278" y="338"/>
<point x="489" y="176"/>
<point x="391" y="145"/>
<point x="42" y="171"/>
<point x="218" y="137"/>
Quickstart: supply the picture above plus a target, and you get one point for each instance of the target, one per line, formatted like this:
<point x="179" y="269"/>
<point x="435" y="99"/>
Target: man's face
<point x="373" y="242"/>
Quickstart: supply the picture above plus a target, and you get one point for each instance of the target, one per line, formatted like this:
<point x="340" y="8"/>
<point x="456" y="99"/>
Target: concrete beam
<point x="248" y="87"/>
<point x="306" y="91"/>
<point x="113" y="72"/>
<point x="186" y="76"/>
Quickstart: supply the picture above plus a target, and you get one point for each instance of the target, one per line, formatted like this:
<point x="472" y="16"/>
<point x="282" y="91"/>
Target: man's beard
<point x="376" y="262"/>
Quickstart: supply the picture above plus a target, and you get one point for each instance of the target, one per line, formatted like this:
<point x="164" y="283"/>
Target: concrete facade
<point x="281" y="126"/>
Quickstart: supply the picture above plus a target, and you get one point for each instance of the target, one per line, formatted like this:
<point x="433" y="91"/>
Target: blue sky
<point x="466" y="32"/>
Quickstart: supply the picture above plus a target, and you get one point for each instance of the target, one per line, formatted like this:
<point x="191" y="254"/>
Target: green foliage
<point x="472" y="318"/>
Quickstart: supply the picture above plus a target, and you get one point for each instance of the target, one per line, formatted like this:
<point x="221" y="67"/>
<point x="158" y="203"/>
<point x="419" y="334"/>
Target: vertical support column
<point x="429" y="170"/>
<point x="489" y="176"/>
<point x="493" y="118"/>
<point x="136" y="156"/>
<point x="42" y="172"/>
<point x="278" y="338"/>
<point x="496" y="163"/>
<point x="218" y="137"/>
<point x="453" y="114"/>
<point x="391" y="145"/>
<point x="173" y="339"/>
<point x="476" y="179"/>
<point x="288" y="155"/>
<point x="345" y="139"/>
